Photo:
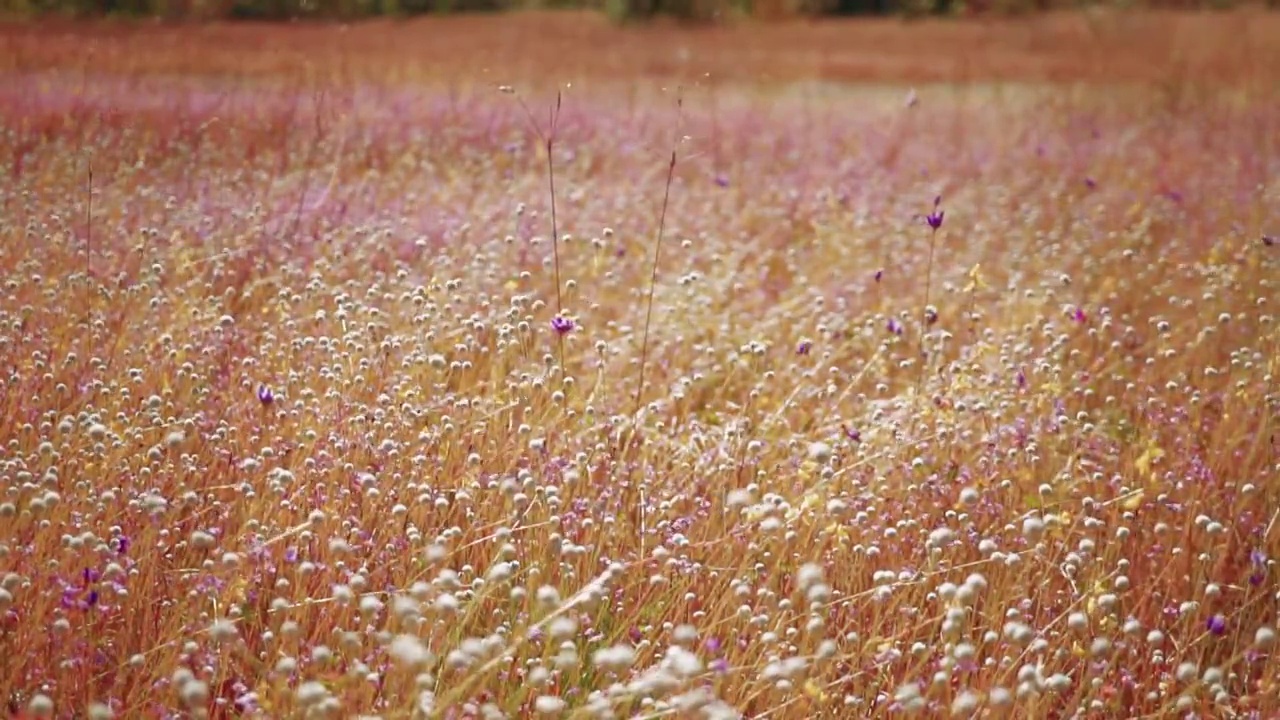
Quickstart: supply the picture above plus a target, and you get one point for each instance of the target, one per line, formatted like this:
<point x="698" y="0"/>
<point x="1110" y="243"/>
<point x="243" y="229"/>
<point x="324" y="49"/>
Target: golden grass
<point x="297" y="422"/>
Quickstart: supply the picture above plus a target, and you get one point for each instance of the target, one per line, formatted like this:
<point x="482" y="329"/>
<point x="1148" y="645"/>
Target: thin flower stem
<point x="653" y="280"/>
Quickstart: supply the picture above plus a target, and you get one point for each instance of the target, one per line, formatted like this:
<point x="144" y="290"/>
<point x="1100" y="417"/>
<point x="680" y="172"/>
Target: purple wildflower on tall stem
<point x="549" y="141"/>
<point x="934" y="221"/>
<point x="265" y="395"/>
<point x="561" y="324"/>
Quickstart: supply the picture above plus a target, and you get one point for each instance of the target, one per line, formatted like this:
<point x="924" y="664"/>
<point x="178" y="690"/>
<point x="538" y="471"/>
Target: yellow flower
<point x="1134" y="500"/>
<point x="840" y="532"/>
<point x="1152" y="454"/>
<point x="814" y="691"/>
<point x="975" y="279"/>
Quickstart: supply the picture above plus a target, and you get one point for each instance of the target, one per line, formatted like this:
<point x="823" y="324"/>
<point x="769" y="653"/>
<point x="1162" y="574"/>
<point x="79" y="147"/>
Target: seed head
<point x="40" y="706"/>
<point x="408" y="651"/>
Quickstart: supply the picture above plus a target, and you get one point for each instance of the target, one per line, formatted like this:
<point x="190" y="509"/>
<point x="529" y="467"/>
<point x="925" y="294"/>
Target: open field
<point x="315" y="405"/>
<point x="1097" y="46"/>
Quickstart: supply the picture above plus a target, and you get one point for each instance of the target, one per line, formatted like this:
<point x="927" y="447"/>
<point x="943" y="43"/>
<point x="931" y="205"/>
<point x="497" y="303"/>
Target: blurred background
<point x="621" y="11"/>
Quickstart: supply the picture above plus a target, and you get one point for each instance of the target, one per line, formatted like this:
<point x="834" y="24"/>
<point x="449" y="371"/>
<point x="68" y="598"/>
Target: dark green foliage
<point x="626" y="11"/>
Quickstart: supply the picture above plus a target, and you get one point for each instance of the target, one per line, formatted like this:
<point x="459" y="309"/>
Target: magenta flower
<point x="265" y="395"/>
<point x="803" y="347"/>
<point x="562" y="325"/>
<point x="894" y="326"/>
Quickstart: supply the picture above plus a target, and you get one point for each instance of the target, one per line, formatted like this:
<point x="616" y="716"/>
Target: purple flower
<point x="247" y="702"/>
<point x="1022" y="379"/>
<point x="1217" y="624"/>
<point x="935" y="218"/>
<point x="1079" y="315"/>
<point x="852" y="433"/>
<point x="712" y="644"/>
<point x="803" y="347"/>
<point x="720" y="666"/>
<point x="1269" y="240"/>
<point x="1258" y="563"/>
<point x="879" y="274"/>
<point x="561" y="324"/>
<point x="265" y="395"/>
<point x="894" y="326"/>
<point x="722" y="181"/>
<point x="930" y="316"/>
<point x="1090" y="183"/>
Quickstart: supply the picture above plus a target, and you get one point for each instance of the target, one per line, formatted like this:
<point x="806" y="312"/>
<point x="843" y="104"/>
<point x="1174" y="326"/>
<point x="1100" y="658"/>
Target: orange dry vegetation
<point x="1057" y="47"/>
<point x="304" y="416"/>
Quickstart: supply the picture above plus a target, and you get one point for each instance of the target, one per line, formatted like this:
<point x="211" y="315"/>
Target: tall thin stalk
<point x="548" y="141"/>
<point x="657" y="255"/>
<point x="934" y="221"/>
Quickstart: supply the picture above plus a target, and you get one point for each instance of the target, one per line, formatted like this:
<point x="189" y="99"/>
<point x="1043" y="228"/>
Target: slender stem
<point x="88" y="260"/>
<point x="657" y="254"/>
<point x="924" y="311"/>
<point x="653" y="279"/>
<point x="549" y="140"/>
<point x="555" y="227"/>
<point x="551" y="182"/>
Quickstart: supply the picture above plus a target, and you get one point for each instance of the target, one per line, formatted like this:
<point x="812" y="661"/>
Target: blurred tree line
<point x="619" y="10"/>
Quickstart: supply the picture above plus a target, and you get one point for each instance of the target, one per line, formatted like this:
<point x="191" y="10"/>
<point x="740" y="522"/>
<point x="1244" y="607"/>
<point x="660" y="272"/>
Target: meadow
<point x="524" y="366"/>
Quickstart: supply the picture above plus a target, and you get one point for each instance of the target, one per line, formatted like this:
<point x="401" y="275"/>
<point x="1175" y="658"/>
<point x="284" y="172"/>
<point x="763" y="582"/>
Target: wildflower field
<point x="526" y="367"/>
